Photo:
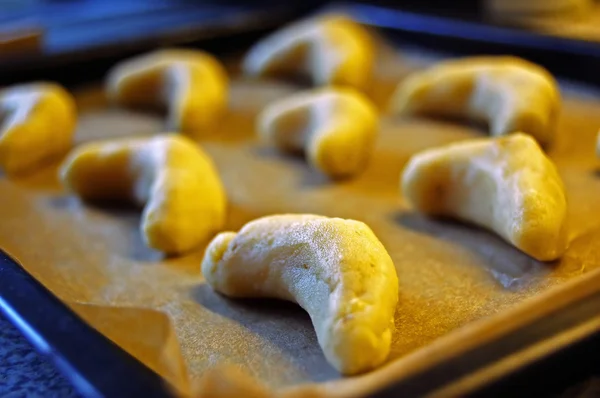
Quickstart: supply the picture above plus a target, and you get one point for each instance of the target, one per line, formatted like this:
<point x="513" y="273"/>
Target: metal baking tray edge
<point x="511" y="353"/>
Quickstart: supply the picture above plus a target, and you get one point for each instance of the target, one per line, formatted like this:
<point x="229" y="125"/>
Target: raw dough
<point x="191" y="84"/>
<point x="336" y="127"/>
<point x="37" y="122"/>
<point x="329" y="49"/>
<point x="504" y="184"/>
<point x="176" y="181"/>
<point x="509" y="93"/>
<point x="336" y="269"/>
<point x="536" y="8"/>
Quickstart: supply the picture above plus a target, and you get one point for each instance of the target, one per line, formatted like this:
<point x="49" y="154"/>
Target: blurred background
<point x="42" y="38"/>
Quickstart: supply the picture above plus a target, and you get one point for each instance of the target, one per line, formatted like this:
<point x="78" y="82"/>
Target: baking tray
<point x="62" y="336"/>
<point x="71" y="51"/>
<point x="38" y="258"/>
<point x="464" y="28"/>
<point x="80" y="39"/>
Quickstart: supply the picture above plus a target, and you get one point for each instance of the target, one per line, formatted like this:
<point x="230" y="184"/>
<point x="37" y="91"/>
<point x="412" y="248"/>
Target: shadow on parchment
<point x="230" y="128"/>
<point x="281" y="323"/>
<point x="381" y="175"/>
<point x="127" y="217"/>
<point x="43" y="179"/>
<point x="508" y="266"/>
<point x="309" y="176"/>
<point x="479" y="128"/>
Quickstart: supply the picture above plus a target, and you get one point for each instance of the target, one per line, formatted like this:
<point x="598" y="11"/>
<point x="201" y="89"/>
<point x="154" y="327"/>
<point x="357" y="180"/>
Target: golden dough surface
<point x="176" y="182"/>
<point x="329" y="50"/>
<point x="336" y="128"/>
<point x="506" y="184"/>
<point x="191" y="84"/>
<point x="37" y="123"/>
<point x="509" y="93"/>
<point x="336" y="269"/>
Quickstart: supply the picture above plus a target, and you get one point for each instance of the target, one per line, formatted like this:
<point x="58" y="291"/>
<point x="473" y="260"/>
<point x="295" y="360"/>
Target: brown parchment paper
<point x="160" y="310"/>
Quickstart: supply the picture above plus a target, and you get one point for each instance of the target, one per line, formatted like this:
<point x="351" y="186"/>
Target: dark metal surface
<point x="26" y="373"/>
<point x="83" y="38"/>
<point x="469" y="33"/>
<point x="533" y="378"/>
<point x="95" y="365"/>
<point x="575" y="366"/>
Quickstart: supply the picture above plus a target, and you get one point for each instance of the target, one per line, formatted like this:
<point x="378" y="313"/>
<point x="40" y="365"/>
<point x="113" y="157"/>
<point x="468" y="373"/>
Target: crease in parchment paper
<point x="151" y="338"/>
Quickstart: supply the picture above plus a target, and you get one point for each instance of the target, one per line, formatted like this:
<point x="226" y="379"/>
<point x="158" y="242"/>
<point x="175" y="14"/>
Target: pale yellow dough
<point x="336" y="269"/>
<point x="191" y="84"/>
<point x="537" y="8"/>
<point x="506" y="184"/>
<point x="176" y="181"/>
<point x="508" y="93"/>
<point x="335" y="127"/>
<point x="37" y="123"/>
<point x="329" y="49"/>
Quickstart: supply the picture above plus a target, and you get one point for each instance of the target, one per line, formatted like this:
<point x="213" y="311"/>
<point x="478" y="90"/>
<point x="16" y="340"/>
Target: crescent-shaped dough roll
<point x="37" y="122"/>
<point x="506" y="184"/>
<point x="509" y="93"/>
<point x="335" y="127"/>
<point x="176" y="181"/>
<point x="191" y="84"/>
<point x="328" y="50"/>
<point x="336" y="269"/>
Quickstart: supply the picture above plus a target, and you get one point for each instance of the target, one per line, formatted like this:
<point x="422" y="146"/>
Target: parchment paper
<point x="160" y="310"/>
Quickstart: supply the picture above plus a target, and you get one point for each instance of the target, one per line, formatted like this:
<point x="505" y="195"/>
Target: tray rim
<point x="465" y="338"/>
<point x="383" y="382"/>
<point x="459" y="341"/>
<point x="62" y="336"/>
